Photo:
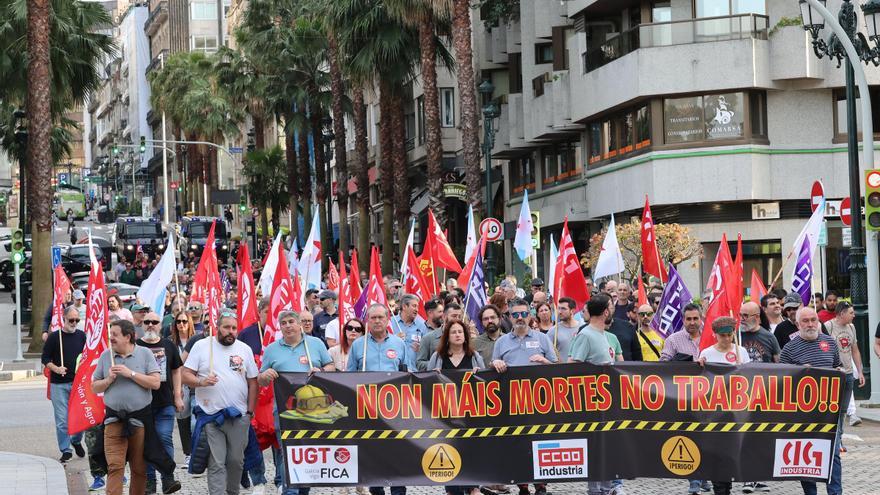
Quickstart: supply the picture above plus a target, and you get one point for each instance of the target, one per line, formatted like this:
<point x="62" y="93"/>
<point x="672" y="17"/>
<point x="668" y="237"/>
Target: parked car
<point x="103" y="244"/>
<point x="80" y="254"/>
<point x="6" y="247"/>
<point x="126" y="292"/>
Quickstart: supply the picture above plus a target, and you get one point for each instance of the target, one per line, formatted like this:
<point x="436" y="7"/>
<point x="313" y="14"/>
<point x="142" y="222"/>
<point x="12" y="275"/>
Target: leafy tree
<point x="266" y="174"/>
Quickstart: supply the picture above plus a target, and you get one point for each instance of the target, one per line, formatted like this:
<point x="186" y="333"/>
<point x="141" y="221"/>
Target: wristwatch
<point x="132" y="375"/>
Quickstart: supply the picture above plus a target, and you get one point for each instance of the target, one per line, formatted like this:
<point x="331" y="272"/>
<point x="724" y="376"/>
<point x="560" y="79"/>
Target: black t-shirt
<point x="73" y="346"/>
<point x="321" y="321"/>
<point x="629" y="342"/>
<point x="784" y="331"/>
<point x="168" y="358"/>
<point x="621" y="311"/>
<point x="467" y="363"/>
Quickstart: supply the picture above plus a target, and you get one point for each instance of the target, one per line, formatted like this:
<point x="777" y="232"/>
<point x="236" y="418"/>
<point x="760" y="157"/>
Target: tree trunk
<point x="386" y="174"/>
<point x="264" y="222"/>
<point x="337" y="89"/>
<point x="470" y="121"/>
<point x="362" y="179"/>
<point x="402" y="187"/>
<point x="321" y="192"/>
<point x="39" y="161"/>
<point x="259" y="132"/>
<point x="292" y="182"/>
<point x="305" y="179"/>
<point x="433" y="142"/>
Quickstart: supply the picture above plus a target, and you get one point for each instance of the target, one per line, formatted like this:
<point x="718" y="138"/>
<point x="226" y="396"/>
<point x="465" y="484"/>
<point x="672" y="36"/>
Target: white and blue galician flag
<point x="471" y="241"/>
<point x="550" y="283"/>
<point x="475" y="296"/>
<point x="523" y="240"/>
<point x="152" y="291"/>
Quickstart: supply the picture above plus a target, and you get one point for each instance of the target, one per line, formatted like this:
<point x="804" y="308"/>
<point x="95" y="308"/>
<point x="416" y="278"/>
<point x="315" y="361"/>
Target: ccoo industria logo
<point x="553" y="459"/>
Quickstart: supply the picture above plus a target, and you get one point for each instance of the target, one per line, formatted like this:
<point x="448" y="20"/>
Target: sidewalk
<point x="24" y="474"/>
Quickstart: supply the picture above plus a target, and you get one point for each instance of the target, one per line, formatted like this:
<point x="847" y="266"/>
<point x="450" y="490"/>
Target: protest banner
<point x="559" y="422"/>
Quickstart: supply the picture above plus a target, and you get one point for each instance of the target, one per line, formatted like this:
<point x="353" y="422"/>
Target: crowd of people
<point x="162" y="371"/>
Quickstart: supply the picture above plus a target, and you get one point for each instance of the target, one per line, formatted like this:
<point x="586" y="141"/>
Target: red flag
<point x="651" y="260"/>
<point x="465" y="275"/>
<point x="283" y="298"/>
<point x="716" y="309"/>
<point x="333" y="277"/>
<point x="86" y="409"/>
<point x="62" y="288"/>
<point x="643" y="296"/>
<point x="355" y="276"/>
<point x="201" y="282"/>
<point x="375" y="289"/>
<point x="441" y="251"/>
<point x="414" y="283"/>
<point x="212" y="277"/>
<point x="247" y="297"/>
<point x="758" y="289"/>
<point x="570" y="281"/>
<point x="736" y="293"/>
<point x="426" y="266"/>
<point x="346" y="301"/>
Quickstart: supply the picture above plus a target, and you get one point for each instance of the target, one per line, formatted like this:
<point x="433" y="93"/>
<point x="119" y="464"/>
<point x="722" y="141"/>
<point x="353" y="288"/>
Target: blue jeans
<point x="164" y="420"/>
<point x="60" y="396"/>
<point x="835" y="485"/>
<point x="257" y="474"/>
<point x="278" y="459"/>
<point x="280" y="467"/>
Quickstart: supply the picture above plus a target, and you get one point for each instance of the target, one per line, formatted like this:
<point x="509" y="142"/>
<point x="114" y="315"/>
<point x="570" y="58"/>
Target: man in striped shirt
<point x="685" y="342"/>
<point x="810" y="347"/>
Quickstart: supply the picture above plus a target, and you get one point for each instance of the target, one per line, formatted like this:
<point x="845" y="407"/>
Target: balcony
<point x="689" y="31"/>
<point x="157" y="16"/>
<point x="157" y="61"/>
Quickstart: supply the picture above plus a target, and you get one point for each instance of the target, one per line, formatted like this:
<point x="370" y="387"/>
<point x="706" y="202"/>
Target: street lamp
<point x="327" y="138"/>
<point x="490" y="113"/>
<point x="21" y="137"/>
<point x="813" y="14"/>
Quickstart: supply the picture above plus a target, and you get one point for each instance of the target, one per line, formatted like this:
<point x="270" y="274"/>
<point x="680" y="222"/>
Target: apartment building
<point x="717" y="110"/>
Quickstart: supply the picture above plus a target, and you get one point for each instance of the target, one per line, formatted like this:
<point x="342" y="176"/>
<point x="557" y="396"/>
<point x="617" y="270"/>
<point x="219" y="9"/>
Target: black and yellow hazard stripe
<point x="559" y="428"/>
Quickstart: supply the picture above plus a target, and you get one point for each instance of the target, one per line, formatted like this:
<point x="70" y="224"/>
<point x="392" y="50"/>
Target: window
<point x="706" y="118"/>
<point x="724" y="116"/>
<point x="204" y="43"/>
<point x="420" y="118"/>
<point x="447" y="107"/>
<point x="683" y="119"/>
<point x="758" y="107"/>
<point x="661" y="11"/>
<point x="840" y="112"/>
<point x="562" y="163"/>
<point x="522" y="176"/>
<point x="619" y="135"/>
<point x="203" y="11"/>
<point x="543" y="53"/>
<point x="514" y="67"/>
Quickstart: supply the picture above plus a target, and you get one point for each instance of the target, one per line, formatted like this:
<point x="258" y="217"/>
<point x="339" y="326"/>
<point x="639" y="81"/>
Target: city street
<point x="32" y="433"/>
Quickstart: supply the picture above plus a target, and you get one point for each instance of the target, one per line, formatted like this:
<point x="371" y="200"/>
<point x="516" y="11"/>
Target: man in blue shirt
<point x="410" y="327"/>
<point x="523" y="346"/>
<point x="384" y="350"/>
<point x="295" y="352"/>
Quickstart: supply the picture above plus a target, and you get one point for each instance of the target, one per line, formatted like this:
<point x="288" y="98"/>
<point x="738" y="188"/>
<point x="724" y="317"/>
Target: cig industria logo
<point x="554" y="459"/>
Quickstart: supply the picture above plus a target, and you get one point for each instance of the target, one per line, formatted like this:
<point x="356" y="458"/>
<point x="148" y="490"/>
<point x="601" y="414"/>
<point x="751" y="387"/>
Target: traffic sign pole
<point x="18" y="355"/>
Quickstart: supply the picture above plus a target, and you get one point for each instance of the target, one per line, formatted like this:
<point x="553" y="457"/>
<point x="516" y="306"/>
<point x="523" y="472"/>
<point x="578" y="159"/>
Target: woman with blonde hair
<point x="182" y="330"/>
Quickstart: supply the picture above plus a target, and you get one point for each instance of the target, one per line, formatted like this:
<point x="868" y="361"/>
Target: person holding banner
<point x="293" y="352"/>
<point x="650" y="341"/>
<point x="455" y="351"/>
<point x="60" y="353"/>
<point x="565" y="329"/>
<point x="410" y="327"/>
<point x="340" y="353"/>
<point x="685" y="346"/>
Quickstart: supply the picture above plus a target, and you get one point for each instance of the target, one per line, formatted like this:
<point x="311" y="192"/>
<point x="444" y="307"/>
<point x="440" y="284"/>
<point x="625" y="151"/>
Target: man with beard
<point x="437" y="315"/>
<point x="810" y="347"/>
<point x="223" y="374"/>
<point x="168" y="398"/>
<point x="685" y="343"/>
<point x="523" y="346"/>
<point x="650" y="341"/>
<point x="565" y="329"/>
<point x="786" y="330"/>
<point x="410" y="327"/>
<point x="290" y="354"/>
<point x="761" y="345"/>
<point x="490" y="316"/>
<point x="772" y="307"/>
<point x="126" y="381"/>
<point x="828" y="311"/>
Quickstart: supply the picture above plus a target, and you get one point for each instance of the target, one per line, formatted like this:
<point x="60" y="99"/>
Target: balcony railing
<point x="702" y="30"/>
<point x="157" y="16"/>
<point x="157" y="61"/>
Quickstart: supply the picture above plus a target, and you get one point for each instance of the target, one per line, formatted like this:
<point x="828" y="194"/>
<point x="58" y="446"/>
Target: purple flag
<point x="475" y="297"/>
<point x="669" y="317"/>
<point x="803" y="272"/>
<point x="360" y="306"/>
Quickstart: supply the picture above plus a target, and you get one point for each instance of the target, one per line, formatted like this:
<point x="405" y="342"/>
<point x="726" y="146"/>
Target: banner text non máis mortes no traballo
<point x="559" y="422"/>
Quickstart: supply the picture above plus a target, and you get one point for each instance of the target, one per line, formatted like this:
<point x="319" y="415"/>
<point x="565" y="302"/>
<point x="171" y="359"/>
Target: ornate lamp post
<point x="327" y="138"/>
<point x="490" y="113"/>
<point x="814" y="19"/>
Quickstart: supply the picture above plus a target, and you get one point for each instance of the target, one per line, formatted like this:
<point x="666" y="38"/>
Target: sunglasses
<point x="151" y="322"/>
<point x="519" y="314"/>
<point x="182" y="321"/>
<point x="648" y="313"/>
<point x="73" y="320"/>
<point x="356" y="329"/>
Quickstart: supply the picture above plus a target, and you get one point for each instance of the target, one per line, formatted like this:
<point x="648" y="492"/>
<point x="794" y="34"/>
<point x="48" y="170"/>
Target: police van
<point x="194" y="233"/>
<point x="132" y="234"/>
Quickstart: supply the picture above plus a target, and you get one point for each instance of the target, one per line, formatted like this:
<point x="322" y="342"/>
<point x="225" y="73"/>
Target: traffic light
<point x="242" y="206"/>
<point x="115" y="149"/>
<point x="143" y="144"/>
<point x="872" y="200"/>
<point x="17" y="255"/>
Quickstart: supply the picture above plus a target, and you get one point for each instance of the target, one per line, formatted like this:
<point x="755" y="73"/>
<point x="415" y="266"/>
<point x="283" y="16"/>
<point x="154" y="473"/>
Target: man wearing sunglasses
<point x="63" y="368"/>
<point x="650" y="341"/>
<point x="787" y="329"/>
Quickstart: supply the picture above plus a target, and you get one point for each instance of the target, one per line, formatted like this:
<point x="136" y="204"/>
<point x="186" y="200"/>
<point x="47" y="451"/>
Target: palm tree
<point x="265" y="170"/>
<point x="337" y="90"/>
<point x="362" y="177"/>
<point x="50" y="55"/>
<point x="470" y="120"/>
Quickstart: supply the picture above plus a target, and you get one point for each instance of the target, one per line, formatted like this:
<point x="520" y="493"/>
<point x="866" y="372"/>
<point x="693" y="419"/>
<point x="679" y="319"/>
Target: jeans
<point x="257" y="474"/>
<point x="97" y="459"/>
<point x="163" y="418"/>
<point x="278" y="458"/>
<point x="599" y="487"/>
<point x="60" y="396"/>
<point x="835" y="485"/>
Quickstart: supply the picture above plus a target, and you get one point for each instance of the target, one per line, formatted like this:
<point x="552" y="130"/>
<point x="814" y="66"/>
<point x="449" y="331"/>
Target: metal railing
<point x="157" y="60"/>
<point x="683" y="32"/>
<point x="161" y="8"/>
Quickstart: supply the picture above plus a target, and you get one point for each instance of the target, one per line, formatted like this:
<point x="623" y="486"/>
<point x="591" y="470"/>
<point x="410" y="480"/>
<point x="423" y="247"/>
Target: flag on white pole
<point x="471" y="241"/>
<point x="610" y="258"/>
<point x="152" y="291"/>
<point x="524" y="226"/>
<point x="268" y="270"/>
<point x="309" y="267"/>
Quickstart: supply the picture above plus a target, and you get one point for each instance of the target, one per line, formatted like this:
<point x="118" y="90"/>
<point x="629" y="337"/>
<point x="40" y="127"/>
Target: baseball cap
<point x="78" y="294"/>
<point x="139" y="307"/>
<point x="537" y="282"/>
<point x="327" y="294"/>
<point x="792" y="300"/>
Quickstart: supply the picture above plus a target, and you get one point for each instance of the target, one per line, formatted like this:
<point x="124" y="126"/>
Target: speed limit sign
<point x="491" y="228"/>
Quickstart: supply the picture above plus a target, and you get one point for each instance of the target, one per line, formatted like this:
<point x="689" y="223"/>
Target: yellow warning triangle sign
<point x="680" y="453"/>
<point x="441" y="460"/>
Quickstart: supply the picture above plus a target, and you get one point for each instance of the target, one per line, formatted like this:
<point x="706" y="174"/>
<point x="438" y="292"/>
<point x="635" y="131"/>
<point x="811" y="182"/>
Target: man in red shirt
<point x="827" y="313"/>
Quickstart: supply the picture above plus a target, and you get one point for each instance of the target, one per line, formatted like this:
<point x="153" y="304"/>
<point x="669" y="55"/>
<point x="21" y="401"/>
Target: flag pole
<point x="112" y="361"/>
<point x="61" y="342"/>
<point x="779" y="273"/>
<point x="211" y="350"/>
<point x="308" y="353"/>
<point x="364" y="361"/>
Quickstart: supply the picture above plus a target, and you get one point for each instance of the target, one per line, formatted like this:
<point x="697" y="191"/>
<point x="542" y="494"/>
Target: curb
<point x="17" y="375"/>
<point x="34" y="474"/>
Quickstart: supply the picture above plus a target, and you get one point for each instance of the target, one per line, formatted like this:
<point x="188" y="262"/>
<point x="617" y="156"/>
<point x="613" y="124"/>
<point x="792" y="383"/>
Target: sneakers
<point x="259" y="490"/>
<point x="543" y="491"/>
<point x="66" y="456"/>
<point x="854" y="420"/>
<point x="80" y="451"/>
<point x="762" y="487"/>
<point x="185" y="464"/>
<point x="151" y="487"/>
<point x="706" y="486"/>
<point x="749" y="487"/>
<point x="98" y="484"/>
<point x="617" y="490"/>
<point x="125" y="481"/>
